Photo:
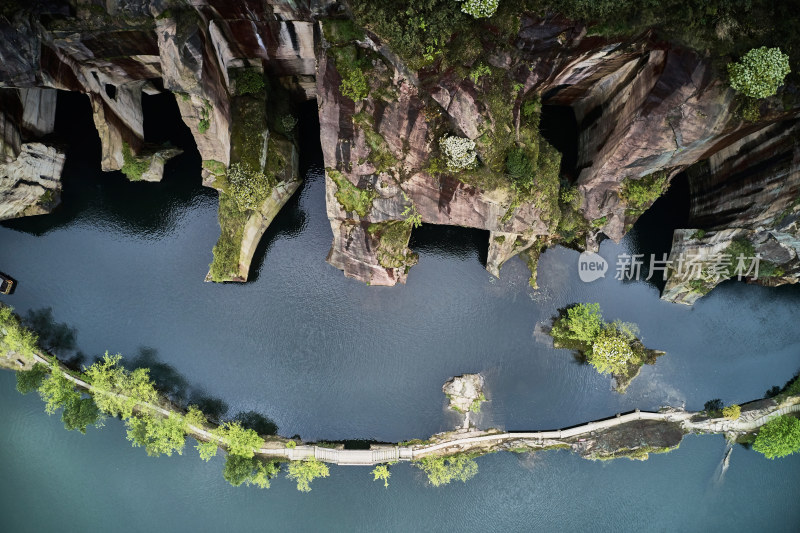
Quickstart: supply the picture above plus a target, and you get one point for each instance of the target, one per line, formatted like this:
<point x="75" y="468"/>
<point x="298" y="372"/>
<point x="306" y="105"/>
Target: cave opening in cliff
<point x="88" y="193"/>
<point x="163" y="125"/>
<point x="451" y="241"/>
<point x="652" y="233"/>
<point x="559" y="127"/>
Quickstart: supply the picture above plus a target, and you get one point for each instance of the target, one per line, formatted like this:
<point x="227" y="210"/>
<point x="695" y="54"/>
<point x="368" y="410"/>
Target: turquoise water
<point x="54" y="480"/>
<point x="326" y="357"/>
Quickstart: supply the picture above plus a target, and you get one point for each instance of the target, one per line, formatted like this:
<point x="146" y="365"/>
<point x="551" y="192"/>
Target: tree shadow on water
<point x="168" y="381"/>
<point x="59" y="338"/>
<point x="214" y="408"/>
<point x="177" y="388"/>
<point x="56" y="337"/>
<point x="257" y="422"/>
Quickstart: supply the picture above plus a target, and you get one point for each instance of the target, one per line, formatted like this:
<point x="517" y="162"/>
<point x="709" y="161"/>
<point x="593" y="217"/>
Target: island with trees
<point x="610" y="347"/>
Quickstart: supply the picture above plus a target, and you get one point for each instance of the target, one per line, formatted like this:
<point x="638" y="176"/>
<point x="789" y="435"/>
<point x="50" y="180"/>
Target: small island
<point x="465" y="393"/>
<point x="610" y="347"/>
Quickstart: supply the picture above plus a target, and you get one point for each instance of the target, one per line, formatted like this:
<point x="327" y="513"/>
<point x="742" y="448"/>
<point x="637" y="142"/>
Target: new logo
<point x="591" y="266"/>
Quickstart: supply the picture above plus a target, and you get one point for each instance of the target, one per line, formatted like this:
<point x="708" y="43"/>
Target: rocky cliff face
<point x="644" y="110"/>
<point x="117" y="51"/>
<point x="30" y="171"/>
<point x="745" y="203"/>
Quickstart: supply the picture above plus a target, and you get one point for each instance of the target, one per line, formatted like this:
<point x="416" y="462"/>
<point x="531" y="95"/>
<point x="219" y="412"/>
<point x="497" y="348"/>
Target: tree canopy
<point x="156" y="434"/>
<point x="582" y="323"/>
<point x="382" y="472"/>
<point x="304" y="472"/>
<point x="760" y="72"/>
<point x="14" y="337"/>
<point x="443" y="470"/>
<point x="779" y="437"/>
<point x="240" y="470"/>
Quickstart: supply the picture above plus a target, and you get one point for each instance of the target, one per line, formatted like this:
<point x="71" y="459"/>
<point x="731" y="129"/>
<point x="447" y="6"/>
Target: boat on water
<point x="6" y="284"/>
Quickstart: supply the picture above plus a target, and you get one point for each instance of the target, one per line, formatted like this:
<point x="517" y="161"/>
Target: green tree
<point x="248" y="81"/>
<point x="713" y="408"/>
<point x="520" y="168"/>
<point x="195" y="417"/>
<point x="479" y="8"/>
<point x="760" y="72"/>
<point x="581" y="322"/>
<point x="249" y="187"/>
<point x="239" y="441"/>
<point x="304" y="472"/>
<point x="639" y="193"/>
<point x="207" y="449"/>
<point x="779" y="437"/>
<point x="240" y="470"/>
<point x="443" y="470"/>
<point x="611" y="352"/>
<point x="14" y="337"/>
<point x="732" y="412"/>
<point x="118" y="391"/>
<point x="81" y="413"/>
<point x="57" y="391"/>
<point x="354" y="84"/>
<point x="382" y="472"/>
<point x="156" y="434"/>
<point x="31" y="380"/>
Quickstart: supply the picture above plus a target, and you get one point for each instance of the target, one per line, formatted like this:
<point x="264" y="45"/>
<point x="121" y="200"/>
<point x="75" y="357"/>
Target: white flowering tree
<point x="611" y="352"/>
<point x="479" y="8"/>
<point x="760" y="72"/>
<point x="460" y="152"/>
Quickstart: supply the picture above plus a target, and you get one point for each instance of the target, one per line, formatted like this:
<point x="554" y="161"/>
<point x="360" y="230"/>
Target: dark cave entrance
<point x="163" y="125"/>
<point x="652" y="233"/>
<point x="560" y="128"/>
<point x="452" y="241"/>
<point x="308" y="142"/>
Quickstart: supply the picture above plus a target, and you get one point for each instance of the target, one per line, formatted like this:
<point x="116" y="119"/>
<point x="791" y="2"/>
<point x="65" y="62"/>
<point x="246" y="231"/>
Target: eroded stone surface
<point x="465" y="392"/>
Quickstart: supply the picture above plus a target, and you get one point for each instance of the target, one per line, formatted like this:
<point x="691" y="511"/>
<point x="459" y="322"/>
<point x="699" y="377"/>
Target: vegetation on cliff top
<point x="479" y="8"/>
<point x="133" y="166"/>
<point x="760" y="72"/>
<point x="393" y="239"/>
<point x="610" y="347"/>
<point x="424" y="31"/>
<point x="247" y="183"/>
<point x="248" y="81"/>
<point x="380" y="155"/>
<point x="640" y="193"/>
<point x="352" y="199"/>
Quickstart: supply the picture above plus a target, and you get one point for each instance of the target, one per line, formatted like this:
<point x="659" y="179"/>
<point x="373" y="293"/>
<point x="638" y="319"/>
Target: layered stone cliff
<point x="644" y="110"/>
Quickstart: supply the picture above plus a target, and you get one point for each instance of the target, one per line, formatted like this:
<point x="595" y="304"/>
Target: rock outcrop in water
<point x="644" y="110"/>
<point x="465" y="393"/>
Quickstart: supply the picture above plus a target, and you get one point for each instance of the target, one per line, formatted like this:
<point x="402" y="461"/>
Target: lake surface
<point x="326" y="357"/>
